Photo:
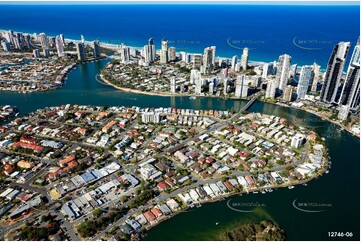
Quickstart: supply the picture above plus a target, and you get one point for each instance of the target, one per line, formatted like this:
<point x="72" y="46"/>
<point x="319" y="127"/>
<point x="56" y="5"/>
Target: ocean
<point x="307" y="33"/>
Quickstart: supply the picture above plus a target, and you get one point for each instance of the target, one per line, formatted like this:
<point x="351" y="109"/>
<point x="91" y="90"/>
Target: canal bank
<point x="339" y="188"/>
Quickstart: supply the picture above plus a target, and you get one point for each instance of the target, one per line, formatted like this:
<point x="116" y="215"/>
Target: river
<point x="339" y="189"/>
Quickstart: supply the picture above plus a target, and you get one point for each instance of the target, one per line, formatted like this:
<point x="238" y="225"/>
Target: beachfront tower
<point x="96" y="49"/>
<point x="80" y="50"/>
<point x="334" y="71"/>
<point x="244" y="59"/>
<point x="283" y="71"/>
<point x="304" y="81"/>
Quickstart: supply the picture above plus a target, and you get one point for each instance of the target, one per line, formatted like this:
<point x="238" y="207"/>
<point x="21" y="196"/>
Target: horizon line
<point x="185" y="2"/>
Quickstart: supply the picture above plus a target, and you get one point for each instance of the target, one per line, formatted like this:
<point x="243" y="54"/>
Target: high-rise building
<point x="194" y="76"/>
<point x="82" y="39"/>
<point x="271" y="89"/>
<point x="5" y="45"/>
<point x="343" y="112"/>
<point x="350" y="95"/>
<point x="80" y="50"/>
<point x="172" y="54"/>
<point x="96" y="49"/>
<point x="198" y="88"/>
<point x="197" y="61"/>
<point x="213" y="55"/>
<point x="27" y="41"/>
<point x="46" y="52"/>
<point x="62" y="39"/>
<point x="43" y="39"/>
<point x="304" y="81"/>
<point x="297" y="140"/>
<point x="244" y="59"/>
<point x="152" y="50"/>
<point x="36" y="53"/>
<point x="184" y="56"/>
<point x="150" y="117"/>
<point x="164" y="52"/>
<point x="18" y="43"/>
<point x="241" y="87"/>
<point x="334" y="71"/>
<point x="207" y="66"/>
<point x="293" y="71"/>
<point x="59" y="46"/>
<point x="316" y="77"/>
<point x="287" y="94"/>
<point x="234" y="62"/>
<point x="211" y="87"/>
<point x="146" y="54"/>
<point x="173" y="84"/>
<point x="283" y="71"/>
<point x="225" y="87"/>
<point x="124" y="53"/>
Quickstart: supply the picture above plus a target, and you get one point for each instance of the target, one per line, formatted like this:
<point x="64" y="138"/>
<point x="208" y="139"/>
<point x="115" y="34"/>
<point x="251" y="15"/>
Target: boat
<point x="327" y="171"/>
<point x="198" y="205"/>
<point x="291" y="187"/>
<point x="193" y="97"/>
<point x="217" y="223"/>
<point x="255" y="192"/>
<point x="305" y="184"/>
<point x="263" y="191"/>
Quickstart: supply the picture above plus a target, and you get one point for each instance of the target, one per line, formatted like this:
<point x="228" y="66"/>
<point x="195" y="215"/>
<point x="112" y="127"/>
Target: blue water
<point x="268" y="31"/>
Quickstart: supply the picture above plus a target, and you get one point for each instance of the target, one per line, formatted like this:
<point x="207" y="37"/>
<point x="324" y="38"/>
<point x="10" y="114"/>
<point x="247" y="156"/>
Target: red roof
<point x="28" y="146"/>
<point x="162" y="185"/>
<point x="149" y="216"/>
<point x="228" y="185"/>
<point x="156" y="212"/>
<point x="28" y="140"/>
<point x="66" y="160"/>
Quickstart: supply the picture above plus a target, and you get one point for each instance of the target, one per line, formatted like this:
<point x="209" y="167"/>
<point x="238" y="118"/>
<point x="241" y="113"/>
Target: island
<point x="107" y="172"/>
<point x="262" y="231"/>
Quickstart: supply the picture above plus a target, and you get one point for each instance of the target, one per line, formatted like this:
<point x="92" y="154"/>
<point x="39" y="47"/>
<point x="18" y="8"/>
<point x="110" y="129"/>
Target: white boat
<point x="291" y="187"/>
<point x="192" y="97"/>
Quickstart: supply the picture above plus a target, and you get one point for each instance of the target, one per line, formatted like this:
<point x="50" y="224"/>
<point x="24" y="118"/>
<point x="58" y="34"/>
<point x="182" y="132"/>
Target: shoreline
<point x="130" y="90"/>
<point x="343" y="127"/>
<point x="115" y="47"/>
<point x="223" y="197"/>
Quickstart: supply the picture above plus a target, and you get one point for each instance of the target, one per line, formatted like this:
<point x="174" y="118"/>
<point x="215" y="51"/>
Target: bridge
<point x="250" y="102"/>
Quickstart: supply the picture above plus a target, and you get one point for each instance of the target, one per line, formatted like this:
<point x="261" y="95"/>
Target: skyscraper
<point x="164" y="52"/>
<point x="287" y="94"/>
<point x="59" y="46"/>
<point x="46" y="52"/>
<point x="197" y="61"/>
<point x="305" y="78"/>
<point x="241" y="86"/>
<point x="62" y="39"/>
<point x="334" y="71"/>
<point x="36" y="53"/>
<point x="124" y="53"/>
<point x="350" y="95"/>
<point x="234" y="62"/>
<point x="244" y="59"/>
<point x="316" y="77"/>
<point x="172" y="54"/>
<point x="152" y="50"/>
<point x="5" y="45"/>
<point x="194" y="76"/>
<point x="43" y="39"/>
<point x="271" y="89"/>
<point x="225" y="86"/>
<point x="207" y="66"/>
<point x="96" y="49"/>
<point x="213" y="55"/>
<point x="173" y="84"/>
<point x="283" y="71"/>
<point x="80" y="50"/>
<point x="82" y="39"/>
